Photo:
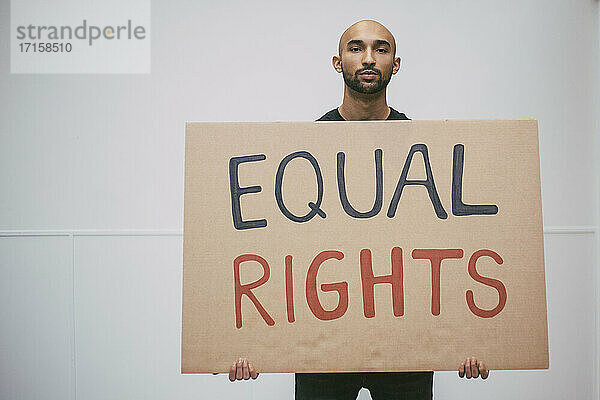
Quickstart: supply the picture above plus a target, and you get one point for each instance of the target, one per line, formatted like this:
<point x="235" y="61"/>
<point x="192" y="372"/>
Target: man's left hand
<point x="471" y="368"/>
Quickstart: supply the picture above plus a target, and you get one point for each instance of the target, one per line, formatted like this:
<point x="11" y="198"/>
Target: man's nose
<point x="368" y="57"/>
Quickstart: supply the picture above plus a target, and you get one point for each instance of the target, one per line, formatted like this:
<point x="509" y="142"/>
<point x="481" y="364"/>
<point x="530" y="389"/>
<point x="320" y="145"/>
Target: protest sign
<point x="363" y="246"/>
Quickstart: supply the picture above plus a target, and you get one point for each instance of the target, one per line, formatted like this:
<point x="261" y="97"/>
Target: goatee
<point x="354" y="83"/>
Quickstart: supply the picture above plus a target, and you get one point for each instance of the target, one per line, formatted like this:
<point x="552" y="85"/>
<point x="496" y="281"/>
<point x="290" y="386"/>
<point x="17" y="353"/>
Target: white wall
<point x="91" y="171"/>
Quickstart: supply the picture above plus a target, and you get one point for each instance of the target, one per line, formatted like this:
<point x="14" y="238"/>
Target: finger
<point x="238" y="369"/>
<point x="461" y="370"/>
<point x="468" y="368"/>
<point x="245" y="371"/>
<point x="474" y="368"/>
<point x="483" y="369"/>
<point x="232" y="372"/>
<point x="253" y="373"/>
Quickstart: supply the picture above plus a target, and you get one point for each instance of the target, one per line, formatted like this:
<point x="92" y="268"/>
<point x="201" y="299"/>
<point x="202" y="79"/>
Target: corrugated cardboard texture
<point x="501" y="167"/>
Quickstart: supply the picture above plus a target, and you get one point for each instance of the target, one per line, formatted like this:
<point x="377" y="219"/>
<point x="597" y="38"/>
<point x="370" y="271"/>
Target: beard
<point x="354" y="83"/>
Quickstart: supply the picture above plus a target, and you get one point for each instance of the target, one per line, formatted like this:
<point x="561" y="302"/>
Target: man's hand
<point x="471" y="369"/>
<point x="242" y="369"/>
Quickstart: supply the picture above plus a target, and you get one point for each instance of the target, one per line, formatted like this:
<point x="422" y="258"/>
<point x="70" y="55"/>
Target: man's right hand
<point x="242" y="369"/>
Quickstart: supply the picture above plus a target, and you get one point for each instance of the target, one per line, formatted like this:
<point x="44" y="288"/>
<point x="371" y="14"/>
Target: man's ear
<point x="336" y="61"/>
<point x="396" y="65"/>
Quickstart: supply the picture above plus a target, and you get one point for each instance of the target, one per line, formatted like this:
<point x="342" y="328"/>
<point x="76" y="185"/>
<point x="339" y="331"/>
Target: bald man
<point x="367" y="60"/>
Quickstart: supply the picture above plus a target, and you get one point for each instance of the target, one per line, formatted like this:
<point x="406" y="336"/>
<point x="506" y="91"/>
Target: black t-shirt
<point x="334" y="115"/>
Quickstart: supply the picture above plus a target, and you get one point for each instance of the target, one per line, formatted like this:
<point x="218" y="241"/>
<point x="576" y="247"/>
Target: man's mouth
<point x="369" y="74"/>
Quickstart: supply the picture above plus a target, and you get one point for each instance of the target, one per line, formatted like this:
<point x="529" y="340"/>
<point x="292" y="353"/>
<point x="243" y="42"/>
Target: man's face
<point x="367" y="58"/>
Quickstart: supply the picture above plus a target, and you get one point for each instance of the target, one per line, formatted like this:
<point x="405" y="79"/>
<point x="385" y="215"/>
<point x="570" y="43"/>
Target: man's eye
<point x="354" y="49"/>
<point x="382" y="50"/>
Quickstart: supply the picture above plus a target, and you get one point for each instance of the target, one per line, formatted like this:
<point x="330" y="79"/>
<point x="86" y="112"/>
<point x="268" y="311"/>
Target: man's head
<point x="366" y="57"/>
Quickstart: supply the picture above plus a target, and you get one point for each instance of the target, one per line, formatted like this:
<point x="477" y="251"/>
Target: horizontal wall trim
<point x="550" y="230"/>
<point x="570" y="229"/>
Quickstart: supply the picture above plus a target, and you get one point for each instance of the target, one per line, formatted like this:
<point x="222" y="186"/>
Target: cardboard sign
<point x="363" y="246"/>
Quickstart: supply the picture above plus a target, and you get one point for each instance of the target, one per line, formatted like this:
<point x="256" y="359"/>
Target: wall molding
<point x="549" y="230"/>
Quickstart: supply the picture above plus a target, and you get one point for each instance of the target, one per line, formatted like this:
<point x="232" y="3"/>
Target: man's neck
<point x="360" y="107"/>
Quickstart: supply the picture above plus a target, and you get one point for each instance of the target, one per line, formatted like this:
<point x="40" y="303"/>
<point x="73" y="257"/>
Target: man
<point x="367" y="61"/>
